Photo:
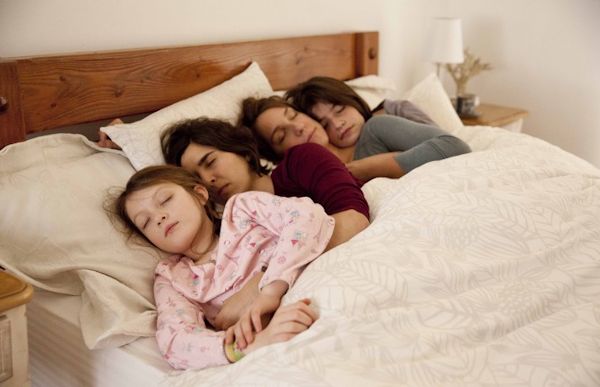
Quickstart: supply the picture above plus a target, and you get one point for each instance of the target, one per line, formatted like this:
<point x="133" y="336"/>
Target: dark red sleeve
<point x="312" y="170"/>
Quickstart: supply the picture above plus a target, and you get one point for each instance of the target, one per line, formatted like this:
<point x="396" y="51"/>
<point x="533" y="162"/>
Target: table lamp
<point x="445" y="42"/>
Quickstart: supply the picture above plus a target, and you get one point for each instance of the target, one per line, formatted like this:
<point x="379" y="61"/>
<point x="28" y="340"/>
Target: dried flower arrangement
<point x="462" y="72"/>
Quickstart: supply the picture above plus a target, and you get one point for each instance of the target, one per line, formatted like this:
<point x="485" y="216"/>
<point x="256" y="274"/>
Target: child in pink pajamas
<point x="258" y="232"/>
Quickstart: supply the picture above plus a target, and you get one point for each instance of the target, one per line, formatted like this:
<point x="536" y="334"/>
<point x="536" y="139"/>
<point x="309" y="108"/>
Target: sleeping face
<point x="223" y="173"/>
<point x="284" y="127"/>
<point x="171" y="218"/>
<point x="343" y="123"/>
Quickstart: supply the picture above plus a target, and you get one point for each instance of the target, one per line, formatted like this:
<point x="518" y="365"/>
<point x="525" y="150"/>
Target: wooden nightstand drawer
<point x="14" y="354"/>
<point x="500" y="116"/>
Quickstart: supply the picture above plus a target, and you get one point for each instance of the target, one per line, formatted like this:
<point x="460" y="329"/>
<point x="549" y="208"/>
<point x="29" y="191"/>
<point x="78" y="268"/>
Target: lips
<point x="222" y="190"/>
<point x="170" y="228"/>
<point x="345" y="132"/>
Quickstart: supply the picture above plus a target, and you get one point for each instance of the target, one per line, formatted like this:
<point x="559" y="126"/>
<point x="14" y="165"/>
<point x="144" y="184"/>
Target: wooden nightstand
<point x="14" y="354"/>
<point x="501" y="116"/>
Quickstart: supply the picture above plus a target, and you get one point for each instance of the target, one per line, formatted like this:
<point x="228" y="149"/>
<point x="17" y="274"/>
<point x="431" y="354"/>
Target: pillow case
<point x="373" y="89"/>
<point x="429" y="95"/>
<point x="55" y="234"/>
<point x="140" y="140"/>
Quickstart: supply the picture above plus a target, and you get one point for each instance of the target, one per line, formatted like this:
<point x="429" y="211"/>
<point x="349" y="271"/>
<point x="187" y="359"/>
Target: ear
<point x="202" y="192"/>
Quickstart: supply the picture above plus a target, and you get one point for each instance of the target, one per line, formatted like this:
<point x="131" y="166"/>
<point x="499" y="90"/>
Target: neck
<point x="203" y="254"/>
<point x="344" y="154"/>
<point x="263" y="183"/>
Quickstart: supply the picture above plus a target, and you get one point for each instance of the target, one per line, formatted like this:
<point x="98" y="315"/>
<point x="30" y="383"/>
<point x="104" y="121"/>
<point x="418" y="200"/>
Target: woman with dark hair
<point x="390" y="141"/>
<point x="226" y="159"/>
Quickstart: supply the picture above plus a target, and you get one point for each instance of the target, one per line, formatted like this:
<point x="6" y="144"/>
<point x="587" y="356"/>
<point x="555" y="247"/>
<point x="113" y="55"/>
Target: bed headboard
<point x="49" y="92"/>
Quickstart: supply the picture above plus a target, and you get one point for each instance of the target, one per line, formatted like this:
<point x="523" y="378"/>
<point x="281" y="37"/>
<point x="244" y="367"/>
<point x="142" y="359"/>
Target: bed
<point x="482" y="269"/>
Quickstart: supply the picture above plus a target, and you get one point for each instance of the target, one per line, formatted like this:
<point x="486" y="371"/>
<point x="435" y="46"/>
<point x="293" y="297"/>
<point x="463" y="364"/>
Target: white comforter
<point x="483" y="269"/>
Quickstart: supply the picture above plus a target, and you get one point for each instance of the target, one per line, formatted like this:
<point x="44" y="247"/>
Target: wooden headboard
<point x="43" y="93"/>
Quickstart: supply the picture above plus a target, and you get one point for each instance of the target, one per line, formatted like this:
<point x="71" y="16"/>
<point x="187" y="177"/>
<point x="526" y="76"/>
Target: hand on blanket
<point x="288" y="321"/>
<point x="241" y="300"/>
<point x="250" y="321"/>
<point x="105" y="141"/>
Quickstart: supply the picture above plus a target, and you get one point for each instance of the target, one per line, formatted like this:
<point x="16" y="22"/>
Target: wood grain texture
<point x="56" y="91"/>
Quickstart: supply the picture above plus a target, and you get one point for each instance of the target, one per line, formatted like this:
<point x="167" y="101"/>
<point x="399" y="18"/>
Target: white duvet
<point x="483" y="269"/>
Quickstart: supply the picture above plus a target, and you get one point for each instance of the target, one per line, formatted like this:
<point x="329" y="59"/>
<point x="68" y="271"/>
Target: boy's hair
<point x="326" y="89"/>
<point x="149" y="177"/>
<point x="254" y="107"/>
<point x="210" y="132"/>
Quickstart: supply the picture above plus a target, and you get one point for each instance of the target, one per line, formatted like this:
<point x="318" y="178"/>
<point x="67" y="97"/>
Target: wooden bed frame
<point x="43" y="93"/>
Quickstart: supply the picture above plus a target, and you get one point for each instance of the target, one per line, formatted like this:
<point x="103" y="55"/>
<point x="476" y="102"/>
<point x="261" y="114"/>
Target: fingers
<point x="116" y="121"/>
<point x="256" y="320"/>
<point x="229" y="335"/>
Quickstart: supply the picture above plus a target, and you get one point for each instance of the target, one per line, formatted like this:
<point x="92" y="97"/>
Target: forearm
<point x="380" y="165"/>
<point x="274" y="289"/>
<point x="347" y="224"/>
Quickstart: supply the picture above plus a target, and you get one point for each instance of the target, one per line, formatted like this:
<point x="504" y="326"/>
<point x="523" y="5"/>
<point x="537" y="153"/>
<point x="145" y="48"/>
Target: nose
<point x="207" y="178"/>
<point x="296" y="128"/>
<point x="162" y="219"/>
<point x="338" y="124"/>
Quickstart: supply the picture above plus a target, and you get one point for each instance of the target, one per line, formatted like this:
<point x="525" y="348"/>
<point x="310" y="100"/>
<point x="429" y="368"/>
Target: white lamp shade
<point x="446" y="43"/>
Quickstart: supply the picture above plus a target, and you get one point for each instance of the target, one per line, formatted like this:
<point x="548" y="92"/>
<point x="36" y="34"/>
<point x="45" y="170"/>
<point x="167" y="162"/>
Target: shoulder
<point x="307" y="149"/>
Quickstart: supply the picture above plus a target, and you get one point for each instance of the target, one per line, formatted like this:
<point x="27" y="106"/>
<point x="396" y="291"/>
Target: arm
<point x="301" y="231"/>
<point x="182" y="336"/>
<point x="347" y="224"/>
<point x="381" y="165"/>
<point x="410" y="144"/>
<point x="288" y="321"/>
<point x="406" y="109"/>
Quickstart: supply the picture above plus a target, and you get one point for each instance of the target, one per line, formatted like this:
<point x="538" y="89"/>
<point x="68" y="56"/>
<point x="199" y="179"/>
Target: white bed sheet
<point x="482" y="269"/>
<point x="59" y="357"/>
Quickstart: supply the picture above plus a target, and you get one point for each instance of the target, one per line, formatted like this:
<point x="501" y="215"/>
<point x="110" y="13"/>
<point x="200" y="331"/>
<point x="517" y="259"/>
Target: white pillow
<point x="429" y="95"/>
<point x="140" y="140"/>
<point x="55" y="234"/>
<point x="373" y="89"/>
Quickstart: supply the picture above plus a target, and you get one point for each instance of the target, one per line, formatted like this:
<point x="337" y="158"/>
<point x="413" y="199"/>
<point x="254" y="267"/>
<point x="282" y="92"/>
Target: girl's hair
<point x="210" y="132"/>
<point x="326" y="89"/>
<point x="254" y="107"/>
<point x="149" y="177"/>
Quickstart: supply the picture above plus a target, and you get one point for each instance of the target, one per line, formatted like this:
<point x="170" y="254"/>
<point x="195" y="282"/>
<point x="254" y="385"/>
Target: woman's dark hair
<point x="326" y="89"/>
<point x="210" y="132"/>
<point x="149" y="177"/>
<point x="254" y="107"/>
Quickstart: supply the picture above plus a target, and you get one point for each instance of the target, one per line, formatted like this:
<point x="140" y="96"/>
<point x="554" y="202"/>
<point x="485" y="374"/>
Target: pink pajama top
<point x="259" y="230"/>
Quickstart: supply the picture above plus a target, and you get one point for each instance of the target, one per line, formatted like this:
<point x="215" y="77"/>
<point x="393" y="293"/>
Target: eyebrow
<point x="154" y="198"/>
<point x="203" y="158"/>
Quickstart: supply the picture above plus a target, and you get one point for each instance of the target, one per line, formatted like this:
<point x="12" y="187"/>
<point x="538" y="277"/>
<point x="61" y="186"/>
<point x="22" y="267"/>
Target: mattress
<point x="58" y="356"/>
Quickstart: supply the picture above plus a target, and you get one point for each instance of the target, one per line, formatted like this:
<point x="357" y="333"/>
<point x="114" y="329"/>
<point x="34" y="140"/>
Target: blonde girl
<point x="258" y="232"/>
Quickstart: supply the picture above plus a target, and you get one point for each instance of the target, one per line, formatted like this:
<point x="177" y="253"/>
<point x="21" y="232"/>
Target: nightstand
<point x="500" y="116"/>
<point x="14" y="354"/>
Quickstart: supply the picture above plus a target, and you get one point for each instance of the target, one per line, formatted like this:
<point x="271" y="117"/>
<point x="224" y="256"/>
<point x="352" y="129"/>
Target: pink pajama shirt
<point x="259" y="230"/>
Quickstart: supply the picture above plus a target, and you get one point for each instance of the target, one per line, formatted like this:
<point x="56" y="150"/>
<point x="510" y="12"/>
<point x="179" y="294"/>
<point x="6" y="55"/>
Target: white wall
<point x="545" y="52"/>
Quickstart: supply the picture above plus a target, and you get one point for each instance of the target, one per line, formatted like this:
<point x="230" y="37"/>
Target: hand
<point x="381" y="165"/>
<point x="359" y="169"/>
<point x="105" y="141"/>
<point x="288" y="321"/>
<point x="250" y="321"/>
<point x="240" y="301"/>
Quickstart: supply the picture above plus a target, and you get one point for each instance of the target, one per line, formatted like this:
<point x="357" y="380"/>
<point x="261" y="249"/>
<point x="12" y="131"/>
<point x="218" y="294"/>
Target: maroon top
<point x="312" y="170"/>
